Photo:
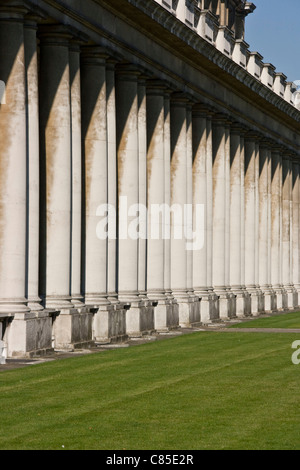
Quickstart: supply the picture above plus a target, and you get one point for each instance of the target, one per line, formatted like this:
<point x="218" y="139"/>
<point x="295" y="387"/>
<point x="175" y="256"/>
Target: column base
<point x="208" y="306"/>
<point x="290" y="297"/>
<point x="188" y="308"/>
<point x="254" y="299"/>
<point x="140" y="318"/>
<point x="29" y="335"/>
<point x="109" y="324"/>
<point x="279" y="294"/>
<point x="72" y="329"/>
<point x="166" y="315"/>
<point x="224" y="304"/>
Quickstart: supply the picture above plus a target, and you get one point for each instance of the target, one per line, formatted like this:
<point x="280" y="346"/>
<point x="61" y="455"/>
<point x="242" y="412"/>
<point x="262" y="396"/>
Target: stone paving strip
<point x="223" y="327"/>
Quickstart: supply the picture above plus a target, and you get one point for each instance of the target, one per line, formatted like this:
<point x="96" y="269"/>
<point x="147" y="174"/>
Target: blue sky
<point x="273" y="30"/>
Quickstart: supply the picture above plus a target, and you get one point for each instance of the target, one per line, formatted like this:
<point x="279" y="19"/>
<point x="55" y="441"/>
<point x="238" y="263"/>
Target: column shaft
<point x="264" y="221"/>
<point x="128" y="177"/>
<point x="251" y="223"/>
<point x="287" y="231"/>
<point x="94" y="135"/>
<point x="112" y="181"/>
<point x="202" y="207"/>
<point x="13" y="166"/>
<point x="236" y="221"/>
<point x="55" y="148"/>
<point x="276" y="228"/>
<point x="296" y="230"/>
<point x="76" y="169"/>
<point x="142" y="185"/>
<point x="179" y="195"/>
<point x="33" y="165"/>
<point x="219" y="215"/>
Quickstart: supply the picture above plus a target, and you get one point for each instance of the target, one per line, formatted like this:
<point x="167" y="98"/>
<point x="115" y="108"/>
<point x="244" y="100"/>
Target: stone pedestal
<point x="72" y="329"/>
<point x="30" y="335"/>
<point x="110" y="324"/>
<point x="140" y="319"/>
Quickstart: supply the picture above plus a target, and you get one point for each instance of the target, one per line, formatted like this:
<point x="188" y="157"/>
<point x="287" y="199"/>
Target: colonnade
<point x="83" y="130"/>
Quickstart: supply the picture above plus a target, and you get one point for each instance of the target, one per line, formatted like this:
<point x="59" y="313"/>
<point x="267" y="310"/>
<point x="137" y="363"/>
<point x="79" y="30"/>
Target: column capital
<point x="179" y="99"/>
<point x="155" y="87"/>
<point x="13" y="10"/>
<point x="56" y="34"/>
<point x="128" y="71"/>
<point x="94" y="55"/>
<point x="203" y="110"/>
<point x="252" y="135"/>
<point x="287" y="155"/>
<point x="219" y="119"/>
<point x="238" y="128"/>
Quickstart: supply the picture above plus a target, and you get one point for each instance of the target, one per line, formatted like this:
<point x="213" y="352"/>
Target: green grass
<point x="285" y="321"/>
<point x="200" y="391"/>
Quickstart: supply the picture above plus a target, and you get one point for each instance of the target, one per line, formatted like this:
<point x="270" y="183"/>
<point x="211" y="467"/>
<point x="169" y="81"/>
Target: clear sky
<point x="273" y="30"/>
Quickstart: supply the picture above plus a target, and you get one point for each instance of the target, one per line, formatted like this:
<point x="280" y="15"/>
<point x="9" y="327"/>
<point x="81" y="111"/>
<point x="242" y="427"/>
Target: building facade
<point x="149" y="172"/>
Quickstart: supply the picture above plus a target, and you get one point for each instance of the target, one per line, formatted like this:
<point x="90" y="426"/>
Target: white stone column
<point x="236" y="215"/>
<point x="156" y="197"/>
<point x="140" y="317"/>
<point x="202" y="195"/>
<point x="76" y="172"/>
<point x="179" y="267"/>
<point x="261" y="302"/>
<point x="231" y="294"/>
<point x="219" y="215"/>
<point x="276" y="227"/>
<point x="264" y="221"/>
<point x="55" y="149"/>
<point x="174" y="312"/>
<point x="13" y="164"/>
<point x="33" y="164"/>
<point x="191" y="234"/>
<point x="112" y="180"/>
<point x="251" y="222"/>
<point x="94" y="135"/>
<point x="287" y="266"/>
<point x="296" y="231"/>
<point x="142" y="182"/>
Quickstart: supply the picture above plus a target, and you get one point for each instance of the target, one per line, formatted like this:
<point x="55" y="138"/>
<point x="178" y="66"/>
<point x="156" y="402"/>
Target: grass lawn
<point x="207" y="390"/>
<point x="286" y="321"/>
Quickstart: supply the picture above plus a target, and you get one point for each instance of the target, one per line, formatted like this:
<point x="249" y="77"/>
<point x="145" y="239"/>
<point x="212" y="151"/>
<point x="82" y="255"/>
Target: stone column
<point x="219" y="215"/>
<point x="13" y="163"/>
<point x="142" y="182"/>
<point x="174" y="312"/>
<point x="33" y="165"/>
<point x="140" y="317"/>
<point x="112" y="180"/>
<point x="261" y="302"/>
<point x="193" y="234"/>
<point x="202" y="195"/>
<point x="251" y="222"/>
<point x="95" y="145"/>
<point x="157" y="210"/>
<point x="296" y="231"/>
<point x="236" y="215"/>
<point x="276" y="227"/>
<point x="76" y="172"/>
<point x="287" y="234"/>
<point x="55" y="151"/>
<point x="231" y="294"/>
<point x="179" y="260"/>
<point x="264" y="221"/>
<point x="94" y="135"/>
